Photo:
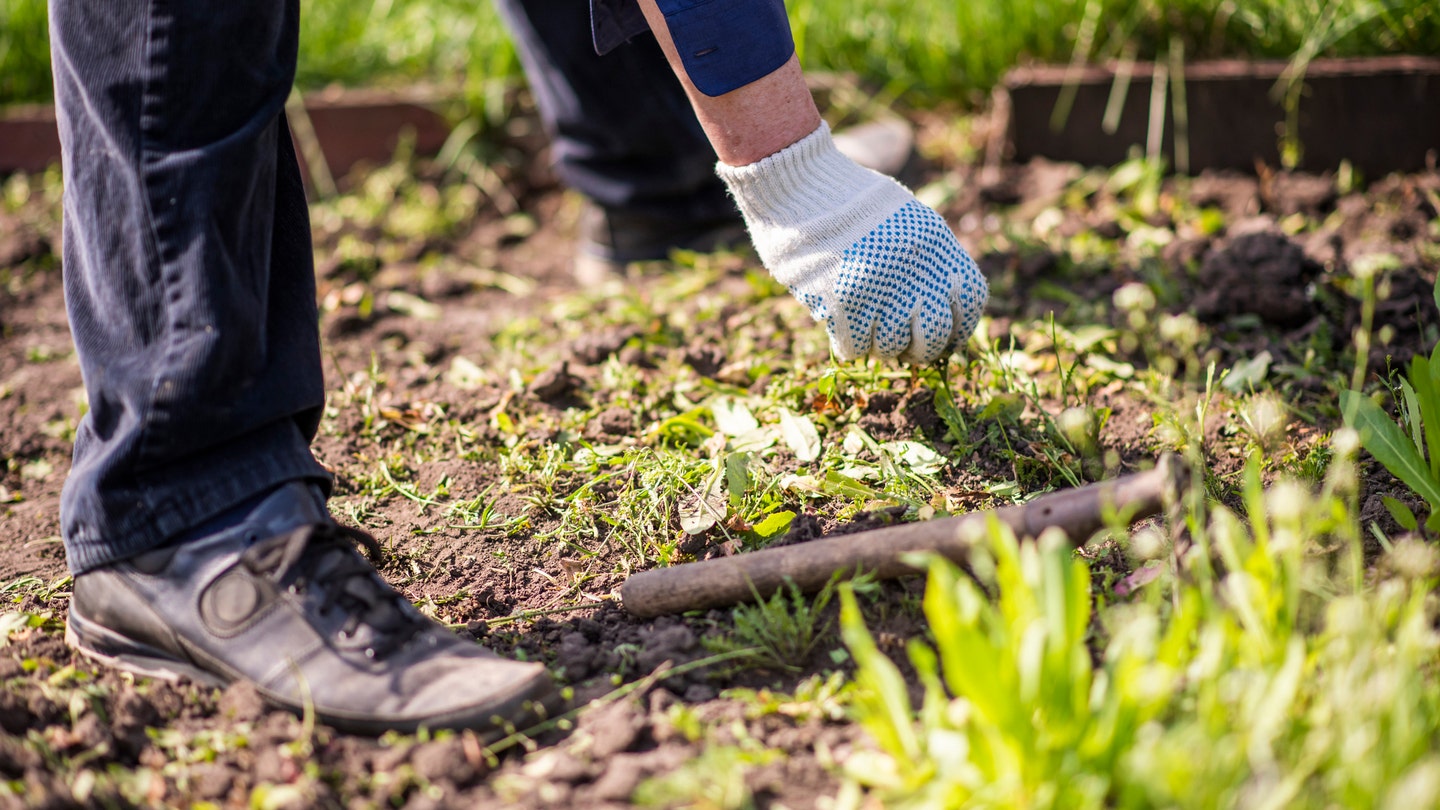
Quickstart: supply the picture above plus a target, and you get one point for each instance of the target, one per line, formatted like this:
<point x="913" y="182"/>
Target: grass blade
<point x="1425" y="377"/>
<point x="1413" y="419"/>
<point x="890" y="715"/>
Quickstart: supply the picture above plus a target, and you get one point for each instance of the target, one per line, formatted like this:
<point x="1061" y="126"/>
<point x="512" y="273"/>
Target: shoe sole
<point x="107" y="647"/>
<point x="535" y="701"/>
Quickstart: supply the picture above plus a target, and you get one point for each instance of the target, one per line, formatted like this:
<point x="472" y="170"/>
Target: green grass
<point x="928" y="52"/>
<point x="24" y="52"/>
<point x="946" y="50"/>
<point x="780" y="632"/>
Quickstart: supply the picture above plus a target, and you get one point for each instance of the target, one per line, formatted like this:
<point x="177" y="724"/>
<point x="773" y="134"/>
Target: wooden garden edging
<point x="350" y="126"/>
<point x="1381" y="114"/>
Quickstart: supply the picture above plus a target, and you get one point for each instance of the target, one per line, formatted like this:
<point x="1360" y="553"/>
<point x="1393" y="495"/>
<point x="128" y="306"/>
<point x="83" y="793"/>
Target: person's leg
<point x="188" y="267"/>
<point x="194" y="518"/>
<point x="623" y="132"/>
<point x="624" y="135"/>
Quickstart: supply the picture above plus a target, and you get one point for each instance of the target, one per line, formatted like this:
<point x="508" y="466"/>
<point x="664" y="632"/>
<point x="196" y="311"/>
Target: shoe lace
<point x="326" y="554"/>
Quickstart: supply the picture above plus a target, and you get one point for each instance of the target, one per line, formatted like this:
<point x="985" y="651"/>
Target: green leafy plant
<point x="930" y="52"/>
<point x="1020" y="674"/>
<point x="1248" y="678"/>
<point x="1410" y="450"/>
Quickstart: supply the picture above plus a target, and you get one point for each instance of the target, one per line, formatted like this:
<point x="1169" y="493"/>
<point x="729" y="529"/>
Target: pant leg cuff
<point x="155" y="507"/>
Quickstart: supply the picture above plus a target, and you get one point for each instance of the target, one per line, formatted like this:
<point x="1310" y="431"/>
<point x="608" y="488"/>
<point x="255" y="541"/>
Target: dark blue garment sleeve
<point x="724" y="44"/>
<point x="615" y="22"/>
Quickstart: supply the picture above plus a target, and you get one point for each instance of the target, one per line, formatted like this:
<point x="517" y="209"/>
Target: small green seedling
<point x="781" y="631"/>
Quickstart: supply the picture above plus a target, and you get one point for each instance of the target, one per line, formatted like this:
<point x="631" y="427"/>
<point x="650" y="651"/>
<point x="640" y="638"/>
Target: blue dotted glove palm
<point x="881" y="270"/>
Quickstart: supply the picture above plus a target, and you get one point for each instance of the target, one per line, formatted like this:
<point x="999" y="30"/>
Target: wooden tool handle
<point x="730" y="580"/>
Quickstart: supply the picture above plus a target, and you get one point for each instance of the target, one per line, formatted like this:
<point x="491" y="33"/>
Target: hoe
<point x="886" y="553"/>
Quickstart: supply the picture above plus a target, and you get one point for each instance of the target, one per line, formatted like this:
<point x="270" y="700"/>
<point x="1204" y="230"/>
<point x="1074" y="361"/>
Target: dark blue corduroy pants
<point x="188" y="267"/>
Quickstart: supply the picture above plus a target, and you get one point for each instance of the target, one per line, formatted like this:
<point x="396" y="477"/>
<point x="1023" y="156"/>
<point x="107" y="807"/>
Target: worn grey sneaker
<point x="285" y="600"/>
<point x="885" y="145"/>
<point x="611" y="239"/>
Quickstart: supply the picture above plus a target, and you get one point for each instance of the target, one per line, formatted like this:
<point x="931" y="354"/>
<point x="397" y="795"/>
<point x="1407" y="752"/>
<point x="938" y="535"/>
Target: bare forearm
<point x="750" y="123"/>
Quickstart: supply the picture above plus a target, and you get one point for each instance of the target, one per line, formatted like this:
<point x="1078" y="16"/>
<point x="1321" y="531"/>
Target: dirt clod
<point x="15" y="716"/>
<point x="615" y="728"/>
<point x="1264" y="274"/>
<point x="660" y="644"/>
<point x="621" y="777"/>
<point x="242" y="703"/>
<point x="594" y="348"/>
<point x="804" y="527"/>
<point x="706" y="359"/>
<point x="554" y="383"/>
<point x="576" y="656"/>
<point x="272" y="765"/>
<point x="700" y="693"/>
<point x="212" y="781"/>
<point x="615" y="422"/>
<point x="445" y="760"/>
<point x="133" y="710"/>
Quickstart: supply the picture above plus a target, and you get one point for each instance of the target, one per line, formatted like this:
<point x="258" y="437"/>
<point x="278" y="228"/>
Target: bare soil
<point x="1265" y="291"/>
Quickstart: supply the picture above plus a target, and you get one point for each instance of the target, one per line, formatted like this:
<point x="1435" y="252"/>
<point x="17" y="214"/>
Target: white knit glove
<point x="880" y="269"/>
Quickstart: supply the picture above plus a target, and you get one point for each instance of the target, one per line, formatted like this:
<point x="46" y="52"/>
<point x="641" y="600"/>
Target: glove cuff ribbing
<point x="807" y="201"/>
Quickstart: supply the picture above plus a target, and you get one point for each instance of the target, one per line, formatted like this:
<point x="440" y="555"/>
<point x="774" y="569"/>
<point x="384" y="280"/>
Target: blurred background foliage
<point x="923" y="51"/>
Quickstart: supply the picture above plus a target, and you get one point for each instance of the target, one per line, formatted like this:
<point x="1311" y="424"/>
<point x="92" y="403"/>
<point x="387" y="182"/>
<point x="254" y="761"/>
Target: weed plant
<point x="24" y="52"/>
<point x="780" y="632"/>
<point x="1411" y="449"/>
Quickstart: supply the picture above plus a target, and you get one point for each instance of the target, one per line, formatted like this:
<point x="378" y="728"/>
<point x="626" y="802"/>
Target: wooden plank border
<point x="350" y="125"/>
<point x="1381" y="114"/>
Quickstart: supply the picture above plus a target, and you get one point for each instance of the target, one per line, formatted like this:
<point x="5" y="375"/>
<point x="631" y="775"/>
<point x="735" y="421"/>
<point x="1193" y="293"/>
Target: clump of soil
<point x="891" y="415"/>
<point x="555" y="385"/>
<point x="595" y="348"/>
<point x="1264" y="274"/>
